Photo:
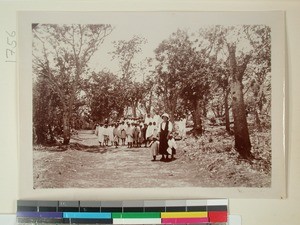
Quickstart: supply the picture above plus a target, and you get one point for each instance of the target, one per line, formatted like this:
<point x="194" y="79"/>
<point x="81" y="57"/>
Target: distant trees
<point x="60" y="57"/>
<point x="219" y="71"/>
<point x="125" y="52"/>
<point x="104" y="92"/>
<point x="260" y="69"/>
<point x="258" y="40"/>
<point x="170" y="55"/>
<point x="47" y="113"/>
<point x="219" y="59"/>
<point x="183" y="73"/>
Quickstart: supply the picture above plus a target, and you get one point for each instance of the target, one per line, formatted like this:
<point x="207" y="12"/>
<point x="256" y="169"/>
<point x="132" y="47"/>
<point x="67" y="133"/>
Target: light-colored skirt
<point x="154" y="148"/>
<point x="129" y="138"/>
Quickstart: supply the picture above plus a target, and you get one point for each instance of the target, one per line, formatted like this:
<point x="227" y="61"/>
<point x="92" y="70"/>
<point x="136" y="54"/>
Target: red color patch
<point x="219" y="216"/>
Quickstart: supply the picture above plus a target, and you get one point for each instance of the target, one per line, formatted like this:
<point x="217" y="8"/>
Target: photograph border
<point x="274" y="19"/>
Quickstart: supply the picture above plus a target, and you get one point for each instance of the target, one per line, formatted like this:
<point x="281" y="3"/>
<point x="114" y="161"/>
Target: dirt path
<point x="97" y="167"/>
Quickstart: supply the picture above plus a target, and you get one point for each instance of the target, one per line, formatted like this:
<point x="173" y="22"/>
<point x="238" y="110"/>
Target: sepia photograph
<point x="152" y="100"/>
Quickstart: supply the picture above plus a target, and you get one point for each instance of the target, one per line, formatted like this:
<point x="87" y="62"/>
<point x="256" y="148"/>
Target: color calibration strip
<point x="207" y="211"/>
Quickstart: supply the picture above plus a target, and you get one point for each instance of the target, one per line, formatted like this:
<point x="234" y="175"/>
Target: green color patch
<point x="133" y="215"/>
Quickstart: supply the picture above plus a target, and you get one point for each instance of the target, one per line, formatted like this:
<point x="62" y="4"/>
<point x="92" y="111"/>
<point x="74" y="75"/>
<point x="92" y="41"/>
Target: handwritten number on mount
<point x="11" y="45"/>
<point x="12" y="34"/>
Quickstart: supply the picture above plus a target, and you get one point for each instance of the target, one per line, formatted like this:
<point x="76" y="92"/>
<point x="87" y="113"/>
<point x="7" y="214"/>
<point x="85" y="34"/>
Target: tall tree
<point x="136" y="94"/>
<point x="148" y="101"/>
<point x="125" y="52"/>
<point x="221" y="88"/>
<point x="260" y="67"/>
<point x="256" y="39"/>
<point x="46" y="113"/>
<point x="184" y="73"/>
<point x="241" y="132"/>
<point x="104" y="93"/>
<point x="61" y="54"/>
<point x="200" y="60"/>
<point x="171" y="55"/>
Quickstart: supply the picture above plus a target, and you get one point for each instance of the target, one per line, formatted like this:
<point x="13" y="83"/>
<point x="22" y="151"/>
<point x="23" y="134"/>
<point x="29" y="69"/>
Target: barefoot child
<point x="172" y="146"/>
<point x="129" y="133"/>
<point x="116" y="134"/>
<point x="154" y="146"/>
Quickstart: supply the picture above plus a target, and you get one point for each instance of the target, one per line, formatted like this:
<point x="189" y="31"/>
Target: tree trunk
<point x="204" y="103"/>
<point x="227" y="120"/>
<point x="66" y="128"/>
<point x="68" y="111"/>
<point x="241" y="133"/>
<point x="52" y="138"/>
<point x="134" y="106"/>
<point x="148" y="109"/>
<point x="197" y="130"/>
<point x="172" y="110"/>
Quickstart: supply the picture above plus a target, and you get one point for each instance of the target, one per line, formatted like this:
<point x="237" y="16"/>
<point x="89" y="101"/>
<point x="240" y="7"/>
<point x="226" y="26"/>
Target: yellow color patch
<point x="184" y="215"/>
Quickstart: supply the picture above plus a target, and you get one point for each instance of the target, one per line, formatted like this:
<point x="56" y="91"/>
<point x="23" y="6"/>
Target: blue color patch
<point x="87" y="215"/>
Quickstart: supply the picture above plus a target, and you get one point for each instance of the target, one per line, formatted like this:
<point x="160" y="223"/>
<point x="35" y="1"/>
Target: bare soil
<point x="84" y="164"/>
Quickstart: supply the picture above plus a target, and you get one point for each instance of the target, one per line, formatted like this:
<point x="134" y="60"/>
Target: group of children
<point x="133" y="133"/>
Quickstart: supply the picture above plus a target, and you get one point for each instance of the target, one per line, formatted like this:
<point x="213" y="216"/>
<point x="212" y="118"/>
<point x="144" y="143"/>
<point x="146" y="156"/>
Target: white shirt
<point x="149" y="131"/>
<point x="172" y="143"/>
<point x="157" y="119"/>
<point x="148" y="120"/>
<point x="170" y="126"/>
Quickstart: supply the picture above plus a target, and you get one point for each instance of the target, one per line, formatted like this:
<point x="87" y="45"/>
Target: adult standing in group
<point x="165" y="130"/>
<point x="149" y="133"/>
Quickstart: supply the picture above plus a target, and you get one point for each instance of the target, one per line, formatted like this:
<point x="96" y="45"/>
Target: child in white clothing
<point x="154" y="146"/>
<point x="172" y="146"/>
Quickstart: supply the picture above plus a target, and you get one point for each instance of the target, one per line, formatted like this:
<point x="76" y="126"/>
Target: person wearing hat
<point x="165" y="130"/>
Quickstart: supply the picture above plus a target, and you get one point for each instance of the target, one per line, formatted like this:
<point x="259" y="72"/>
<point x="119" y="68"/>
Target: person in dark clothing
<point x="144" y="130"/>
<point x="165" y="130"/>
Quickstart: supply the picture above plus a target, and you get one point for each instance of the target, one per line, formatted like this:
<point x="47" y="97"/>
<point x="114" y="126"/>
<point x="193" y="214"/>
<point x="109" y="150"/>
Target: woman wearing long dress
<point x="166" y="128"/>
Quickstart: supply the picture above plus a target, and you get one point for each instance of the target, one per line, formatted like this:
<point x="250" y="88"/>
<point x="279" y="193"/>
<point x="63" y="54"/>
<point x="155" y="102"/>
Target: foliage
<point x="60" y="55"/>
<point x="105" y="93"/>
<point x="213" y="154"/>
<point x="47" y="116"/>
<point x="221" y="73"/>
<point x="125" y="52"/>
